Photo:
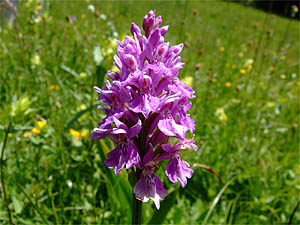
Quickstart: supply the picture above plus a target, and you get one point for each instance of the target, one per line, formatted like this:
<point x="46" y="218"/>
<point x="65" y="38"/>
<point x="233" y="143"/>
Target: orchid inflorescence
<point x="146" y="107"/>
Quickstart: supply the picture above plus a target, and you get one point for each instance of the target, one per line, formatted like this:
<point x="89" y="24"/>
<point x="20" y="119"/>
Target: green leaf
<point x="76" y="117"/>
<point x="127" y="190"/>
<point x="122" y="194"/>
<point x="35" y="140"/>
<point x="160" y="215"/>
<point x="100" y="73"/>
<point x="76" y="143"/>
<point x="17" y="205"/>
<point x="69" y="70"/>
<point x="20" y="106"/>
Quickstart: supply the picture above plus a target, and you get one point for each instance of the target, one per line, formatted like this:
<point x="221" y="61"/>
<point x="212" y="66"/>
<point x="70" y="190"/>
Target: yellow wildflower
<point x="283" y="76"/>
<point x="85" y="152"/>
<point x="249" y="62"/>
<point x="83" y="133"/>
<point x="54" y="87"/>
<point x="270" y="104"/>
<point x="222" y="49"/>
<point x="227" y="65"/>
<point x="220" y="113"/>
<point x="212" y="80"/>
<point x="26" y="134"/>
<point x="188" y="80"/>
<point x="36" y="131"/>
<point x="241" y="54"/>
<point x="109" y="51"/>
<point x="224" y="118"/>
<point x="243" y="71"/>
<point x="113" y="43"/>
<point x="35" y="60"/>
<point x="58" y="104"/>
<point x="82" y="75"/>
<point x="83" y="107"/>
<point x="249" y="67"/>
<point x="41" y="124"/>
<point x="10" y="25"/>
<point x="272" y="68"/>
<point x="38" y="19"/>
<point x="75" y="133"/>
<point x="10" y="135"/>
<point x="38" y="8"/>
<point x="228" y="84"/>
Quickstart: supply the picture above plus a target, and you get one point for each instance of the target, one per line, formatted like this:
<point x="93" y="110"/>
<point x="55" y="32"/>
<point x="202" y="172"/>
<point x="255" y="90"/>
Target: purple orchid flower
<point x="146" y="106"/>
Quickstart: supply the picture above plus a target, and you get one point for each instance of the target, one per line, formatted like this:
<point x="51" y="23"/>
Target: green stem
<point x="293" y="213"/>
<point x="136" y="210"/>
<point x="136" y="203"/>
<point x="2" y="176"/>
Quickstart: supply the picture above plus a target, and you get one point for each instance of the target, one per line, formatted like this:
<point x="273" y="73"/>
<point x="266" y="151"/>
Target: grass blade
<point x="69" y="70"/>
<point x="217" y="200"/>
<point x="76" y="117"/>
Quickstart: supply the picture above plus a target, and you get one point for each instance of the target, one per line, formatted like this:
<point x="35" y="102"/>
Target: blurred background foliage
<point x="244" y="66"/>
<point x="282" y="8"/>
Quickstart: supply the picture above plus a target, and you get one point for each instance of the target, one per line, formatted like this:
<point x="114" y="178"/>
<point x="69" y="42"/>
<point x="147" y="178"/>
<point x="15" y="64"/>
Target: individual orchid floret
<point x="177" y="169"/>
<point x="146" y="107"/>
<point x="126" y="153"/>
<point x="149" y="185"/>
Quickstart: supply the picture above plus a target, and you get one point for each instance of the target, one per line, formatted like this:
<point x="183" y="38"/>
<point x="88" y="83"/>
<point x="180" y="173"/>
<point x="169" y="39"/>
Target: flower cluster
<point x="146" y="110"/>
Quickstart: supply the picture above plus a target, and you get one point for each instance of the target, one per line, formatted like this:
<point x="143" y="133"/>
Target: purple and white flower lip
<point x="150" y="186"/>
<point x="146" y="110"/>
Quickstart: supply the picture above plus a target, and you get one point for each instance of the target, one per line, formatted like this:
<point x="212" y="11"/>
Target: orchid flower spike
<point x="146" y="108"/>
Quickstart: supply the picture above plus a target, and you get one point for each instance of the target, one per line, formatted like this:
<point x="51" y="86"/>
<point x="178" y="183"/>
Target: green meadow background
<point x="243" y="64"/>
